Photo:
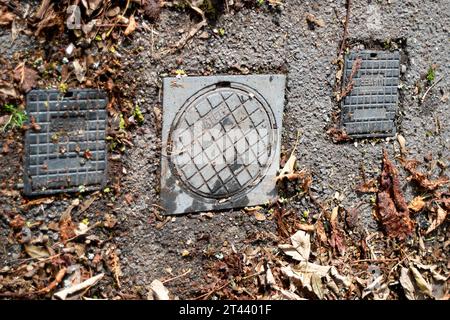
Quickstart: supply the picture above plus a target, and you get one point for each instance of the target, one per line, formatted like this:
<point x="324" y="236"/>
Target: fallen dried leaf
<point x="402" y="142"/>
<point x="157" y="291"/>
<point x="441" y="215"/>
<point x="338" y="135"/>
<point x="421" y="178"/>
<point x="337" y="239"/>
<point x="407" y="284"/>
<point x="368" y="186"/>
<point x="36" y="251"/>
<point x="26" y="77"/>
<point x="392" y="210"/>
<point x="260" y="216"/>
<point x="300" y="248"/>
<point x="417" y="204"/>
<point x="6" y="17"/>
<point x="422" y="284"/>
<point x="131" y="26"/>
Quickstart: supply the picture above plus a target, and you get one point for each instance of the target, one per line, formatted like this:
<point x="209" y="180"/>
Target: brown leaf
<point x="337" y="239"/>
<point x="320" y="231"/>
<point x="300" y="248"/>
<point x="392" y="209"/>
<point x="421" y="178"/>
<point x="26" y="77"/>
<point x="368" y="186"/>
<point x="288" y="167"/>
<point x="66" y="226"/>
<point x="6" y="17"/>
<point x="17" y="223"/>
<point x="417" y="204"/>
<point x="131" y="26"/>
<point x="260" y="216"/>
<point x="36" y="251"/>
<point x="441" y="215"/>
<point x="421" y="283"/>
<point x="407" y="284"/>
<point x="338" y="135"/>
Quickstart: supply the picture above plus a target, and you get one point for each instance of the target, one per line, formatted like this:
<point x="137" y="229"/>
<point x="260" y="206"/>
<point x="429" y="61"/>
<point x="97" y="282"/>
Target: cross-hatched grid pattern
<point x="228" y="144"/>
<point x="66" y="148"/>
<point x="369" y="110"/>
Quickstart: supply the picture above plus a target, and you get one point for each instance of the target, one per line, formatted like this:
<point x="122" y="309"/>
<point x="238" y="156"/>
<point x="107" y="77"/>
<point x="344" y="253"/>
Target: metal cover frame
<point x="370" y="109"/>
<point x="61" y="117"/>
<point x="180" y="95"/>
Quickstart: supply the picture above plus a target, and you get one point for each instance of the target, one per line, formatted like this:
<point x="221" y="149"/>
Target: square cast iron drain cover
<point x="370" y="108"/>
<point x="65" y="151"/>
<point x="221" y="141"/>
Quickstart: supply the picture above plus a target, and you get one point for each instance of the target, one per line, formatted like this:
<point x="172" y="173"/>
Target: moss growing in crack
<point x="138" y="115"/>
<point x="431" y="74"/>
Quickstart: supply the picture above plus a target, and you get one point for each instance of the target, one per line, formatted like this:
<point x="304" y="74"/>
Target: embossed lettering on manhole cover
<point x="369" y="110"/>
<point x="221" y="141"/>
<point x="65" y="148"/>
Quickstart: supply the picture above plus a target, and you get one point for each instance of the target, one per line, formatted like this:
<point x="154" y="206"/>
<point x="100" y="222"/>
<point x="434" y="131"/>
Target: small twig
<point x="344" y="36"/>
<point x="350" y="81"/>
<point x="192" y="32"/>
<point x="206" y="295"/>
<point x="431" y="87"/>
<point x="373" y="260"/>
<point x="177" y="277"/>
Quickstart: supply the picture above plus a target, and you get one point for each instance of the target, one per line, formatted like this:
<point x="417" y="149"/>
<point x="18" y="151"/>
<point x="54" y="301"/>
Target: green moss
<point x="431" y="74"/>
<point x="138" y="115"/>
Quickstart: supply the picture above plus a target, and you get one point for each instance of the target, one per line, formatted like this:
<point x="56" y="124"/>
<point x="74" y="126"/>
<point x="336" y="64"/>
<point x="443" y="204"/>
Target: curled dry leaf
<point x="378" y="288"/>
<point x="421" y="283"/>
<point x="421" y="178"/>
<point x="402" y="142"/>
<point x="80" y="70"/>
<point x="417" y="204"/>
<point x="392" y="210"/>
<point x="131" y="26"/>
<point x="407" y="283"/>
<point x="36" y="251"/>
<point x="337" y="238"/>
<point x="300" y="248"/>
<point x="441" y="215"/>
<point x="310" y="276"/>
<point x="288" y="168"/>
<point x="260" y="216"/>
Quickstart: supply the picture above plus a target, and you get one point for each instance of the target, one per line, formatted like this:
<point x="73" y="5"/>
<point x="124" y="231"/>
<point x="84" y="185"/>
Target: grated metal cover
<point x="369" y="110"/>
<point x="220" y="141"/>
<point x="65" y="151"/>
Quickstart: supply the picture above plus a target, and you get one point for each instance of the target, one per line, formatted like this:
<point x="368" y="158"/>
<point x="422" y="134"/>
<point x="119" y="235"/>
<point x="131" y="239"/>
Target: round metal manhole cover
<point x="222" y="141"/>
